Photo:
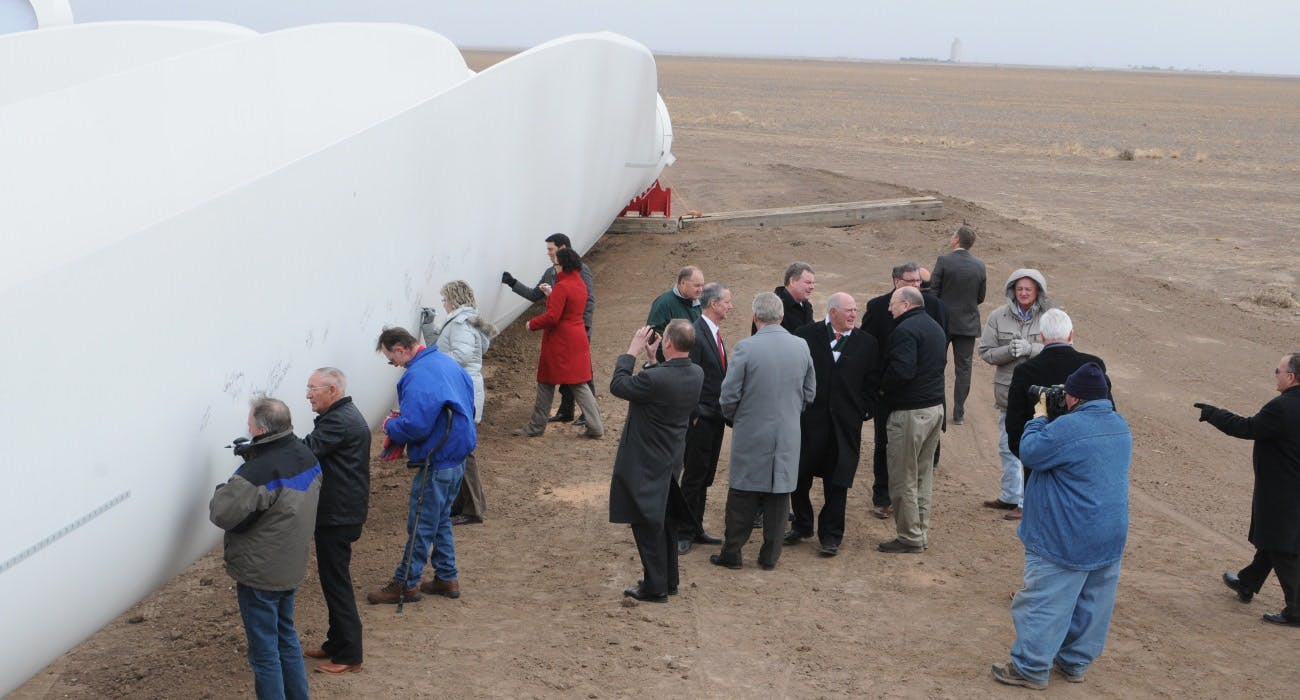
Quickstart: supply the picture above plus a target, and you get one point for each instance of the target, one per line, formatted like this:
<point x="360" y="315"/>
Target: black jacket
<point x="796" y="315"/>
<point x="846" y="396"/>
<point x="915" y="358"/>
<point x="341" y="441"/>
<point x="704" y="353"/>
<point x="877" y="320"/>
<point x="1048" y="368"/>
<point x="1275" y="507"/>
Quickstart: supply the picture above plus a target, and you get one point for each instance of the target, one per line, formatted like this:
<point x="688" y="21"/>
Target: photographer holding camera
<point x="1074" y="531"/>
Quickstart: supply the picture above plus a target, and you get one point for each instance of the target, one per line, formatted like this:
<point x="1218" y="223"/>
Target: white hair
<point x="1055" y="324"/>
<point x="768" y="308"/>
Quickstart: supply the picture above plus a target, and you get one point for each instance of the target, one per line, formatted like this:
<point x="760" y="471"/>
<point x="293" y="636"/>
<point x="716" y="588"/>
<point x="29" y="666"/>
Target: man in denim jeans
<point x="268" y="510"/>
<point x="1074" y="529"/>
<point x="435" y="422"/>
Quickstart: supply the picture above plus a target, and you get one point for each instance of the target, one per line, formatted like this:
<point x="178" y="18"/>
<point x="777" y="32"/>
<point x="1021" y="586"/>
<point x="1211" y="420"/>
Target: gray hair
<point x="912" y="296"/>
<point x="1293" y="363"/>
<point x="1055" y="324"/>
<point x="900" y="270"/>
<point x="686" y="273"/>
<point x="335" y="377"/>
<point x="681" y="333"/>
<point x="796" y="270"/>
<point x="835" y="300"/>
<point x="768" y="308"/>
<point x="965" y="236"/>
<point x="713" y="291"/>
<point x="271" y="415"/>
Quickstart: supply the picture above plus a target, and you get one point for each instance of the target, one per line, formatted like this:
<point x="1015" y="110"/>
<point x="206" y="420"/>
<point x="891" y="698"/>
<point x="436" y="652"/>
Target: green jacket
<point x="668" y="306"/>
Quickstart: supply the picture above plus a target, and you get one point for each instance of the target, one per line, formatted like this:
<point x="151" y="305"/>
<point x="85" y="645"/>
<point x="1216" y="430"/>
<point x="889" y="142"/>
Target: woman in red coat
<point x="566" y="357"/>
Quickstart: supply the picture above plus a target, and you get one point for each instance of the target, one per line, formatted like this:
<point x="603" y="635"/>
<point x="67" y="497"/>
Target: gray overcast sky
<point x="1250" y="35"/>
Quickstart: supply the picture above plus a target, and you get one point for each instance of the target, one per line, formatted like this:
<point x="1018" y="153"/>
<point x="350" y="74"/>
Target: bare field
<point x="1179" y="271"/>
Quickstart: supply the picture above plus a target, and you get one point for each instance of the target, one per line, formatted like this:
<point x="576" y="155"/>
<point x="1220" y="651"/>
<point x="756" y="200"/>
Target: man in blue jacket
<point x="1074" y="529"/>
<point x="435" y="422"/>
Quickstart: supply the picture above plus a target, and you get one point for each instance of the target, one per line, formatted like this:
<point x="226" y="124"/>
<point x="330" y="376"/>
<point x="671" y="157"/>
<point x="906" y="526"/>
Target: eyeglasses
<point x="1282" y="371"/>
<point x="913" y="280"/>
<point x="313" y="389"/>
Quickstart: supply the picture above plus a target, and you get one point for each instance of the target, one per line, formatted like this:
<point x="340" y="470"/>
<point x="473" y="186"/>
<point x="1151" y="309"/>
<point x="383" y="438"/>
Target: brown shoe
<point x="882" y="512"/>
<point x="1015" y="514"/>
<point x="391" y="591"/>
<point x="1000" y="504"/>
<point x="437" y="586"/>
<point x="315" y="653"/>
<point x="338" y="668"/>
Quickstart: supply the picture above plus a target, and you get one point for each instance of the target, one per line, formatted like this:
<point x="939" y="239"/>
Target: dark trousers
<point x="566" y="394"/>
<point x="700" y="465"/>
<point x="742" y="506"/>
<point x="333" y="564"/>
<point x="880" y="460"/>
<point x="963" y="353"/>
<point x="830" y="521"/>
<point x="1287" y="566"/>
<point x="657" y="545"/>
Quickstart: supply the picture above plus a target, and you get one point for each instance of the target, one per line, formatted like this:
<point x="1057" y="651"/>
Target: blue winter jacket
<point x="431" y="382"/>
<point x="1076" y="499"/>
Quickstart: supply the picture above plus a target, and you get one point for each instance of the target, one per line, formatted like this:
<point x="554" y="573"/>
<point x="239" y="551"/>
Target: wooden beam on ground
<point x="835" y="215"/>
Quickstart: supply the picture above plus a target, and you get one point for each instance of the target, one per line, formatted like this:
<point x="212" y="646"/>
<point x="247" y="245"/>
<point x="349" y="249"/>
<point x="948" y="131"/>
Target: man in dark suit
<point x="704" y="437"/>
<point x="846" y="365"/>
<point x="1050" y="367"/>
<point x="1274" y="515"/>
<point x="959" y="281"/>
<point x="879" y="322"/>
<point x="795" y="295"/>
<point x="660" y="401"/>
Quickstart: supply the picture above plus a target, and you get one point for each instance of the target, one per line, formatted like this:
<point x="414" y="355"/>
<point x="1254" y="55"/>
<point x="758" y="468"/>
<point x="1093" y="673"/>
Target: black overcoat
<point x="660" y="401"/>
<point x="846" y="392"/>
<point x="1048" y="368"/>
<point x="1275" y="507"/>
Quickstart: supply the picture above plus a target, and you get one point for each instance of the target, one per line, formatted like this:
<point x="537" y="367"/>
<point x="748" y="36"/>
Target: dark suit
<point x="959" y="280"/>
<point x="1275" y="505"/>
<point x="704" y="437"/>
<point x="1050" y="367"/>
<point x="660" y="401"/>
<point x="797" y="314"/>
<point x="880" y="323"/>
<point x="831" y="439"/>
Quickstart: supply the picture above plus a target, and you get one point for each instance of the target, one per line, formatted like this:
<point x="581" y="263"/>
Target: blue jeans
<point x="1061" y="615"/>
<point x="1013" y="478"/>
<point x="273" y="650"/>
<point x="433" y="525"/>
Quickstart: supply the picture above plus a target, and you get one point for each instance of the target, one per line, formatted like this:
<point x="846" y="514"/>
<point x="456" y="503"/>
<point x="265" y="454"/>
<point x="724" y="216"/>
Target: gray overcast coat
<point x="770" y="379"/>
<point x="960" y="281"/>
<point x="660" y="401"/>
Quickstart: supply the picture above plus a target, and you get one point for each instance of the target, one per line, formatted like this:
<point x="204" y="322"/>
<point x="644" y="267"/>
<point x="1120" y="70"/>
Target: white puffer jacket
<point x="465" y="336"/>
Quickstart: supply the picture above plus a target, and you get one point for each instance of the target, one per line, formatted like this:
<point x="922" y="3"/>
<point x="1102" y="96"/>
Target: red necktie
<point x="722" y="354"/>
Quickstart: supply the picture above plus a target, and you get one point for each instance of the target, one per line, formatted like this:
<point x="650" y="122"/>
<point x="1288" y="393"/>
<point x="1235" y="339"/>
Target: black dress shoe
<point x="758" y="521"/>
<point x="683" y="546"/>
<point x="1243" y="594"/>
<point x="466" y="520"/>
<point x="717" y="560"/>
<point x="635" y="593"/>
<point x="672" y="590"/>
<point x="766" y="567"/>
<point x="794" y="536"/>
<point x="705" y="538"/>
<point x="1280" y="619"/>
<point x="828" y="549"/>
<point x="558" y="418"/>
<point x="581" y="421"/>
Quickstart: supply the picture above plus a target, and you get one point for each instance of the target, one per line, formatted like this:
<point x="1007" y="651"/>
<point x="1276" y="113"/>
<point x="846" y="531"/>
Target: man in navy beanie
<point x="1073" y="545"/>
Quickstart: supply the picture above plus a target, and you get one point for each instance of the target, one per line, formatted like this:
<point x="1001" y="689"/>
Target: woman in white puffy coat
<point x="465" y="336"/>
<point x="1010" y="337"/>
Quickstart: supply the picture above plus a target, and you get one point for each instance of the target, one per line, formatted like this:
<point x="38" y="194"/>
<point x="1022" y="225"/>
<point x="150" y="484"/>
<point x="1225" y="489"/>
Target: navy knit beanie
<point x="1087" y="383"/>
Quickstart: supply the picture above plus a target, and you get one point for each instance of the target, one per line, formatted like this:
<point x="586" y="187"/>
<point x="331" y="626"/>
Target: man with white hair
<point x="1050" y="367"/>
<point x="770" y="380"/>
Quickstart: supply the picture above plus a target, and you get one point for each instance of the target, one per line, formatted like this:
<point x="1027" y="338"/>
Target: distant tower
<point x="954" y="56"/>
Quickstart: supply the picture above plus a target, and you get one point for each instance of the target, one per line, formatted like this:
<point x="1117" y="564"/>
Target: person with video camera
<point x="1057" y="360"/>
<point x="1074" y="531"/>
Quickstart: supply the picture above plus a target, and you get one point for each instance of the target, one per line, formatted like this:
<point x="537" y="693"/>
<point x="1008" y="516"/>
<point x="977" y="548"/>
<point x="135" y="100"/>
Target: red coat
<point x="565" y="356"/>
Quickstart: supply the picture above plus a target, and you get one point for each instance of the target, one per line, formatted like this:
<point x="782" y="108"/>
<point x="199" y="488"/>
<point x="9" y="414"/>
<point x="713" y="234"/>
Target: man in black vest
<point x="846" y="361"/>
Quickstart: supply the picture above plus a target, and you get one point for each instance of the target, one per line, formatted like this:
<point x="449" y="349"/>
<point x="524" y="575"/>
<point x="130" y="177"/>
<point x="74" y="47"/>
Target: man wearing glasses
<point x="1274" y="513"/>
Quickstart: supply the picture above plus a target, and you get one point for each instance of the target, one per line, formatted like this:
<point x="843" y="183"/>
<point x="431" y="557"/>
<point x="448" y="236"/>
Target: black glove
<point x="508" y="279"/>
<point x="1206" y="410"/>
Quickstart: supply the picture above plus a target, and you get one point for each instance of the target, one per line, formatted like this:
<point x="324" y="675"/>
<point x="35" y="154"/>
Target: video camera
<point x="241" y="446"/>
<point x="1055" y="399"/>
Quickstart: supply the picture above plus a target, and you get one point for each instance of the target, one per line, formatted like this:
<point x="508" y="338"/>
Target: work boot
<point x="437" y="586"/>
<point x="391" y="591"/>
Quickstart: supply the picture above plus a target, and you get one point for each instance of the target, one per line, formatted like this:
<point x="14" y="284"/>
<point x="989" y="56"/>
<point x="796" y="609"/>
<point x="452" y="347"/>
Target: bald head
<point x="841" y="311"/>
<point x="905" y="299"/>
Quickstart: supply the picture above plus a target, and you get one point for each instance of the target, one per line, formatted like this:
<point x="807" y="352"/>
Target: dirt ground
<point x="1178" y="268"/>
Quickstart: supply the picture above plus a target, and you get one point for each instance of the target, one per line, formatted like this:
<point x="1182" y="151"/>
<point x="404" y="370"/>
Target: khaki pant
<point x="542" y="409"/>
<point x="913" y="438"/>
